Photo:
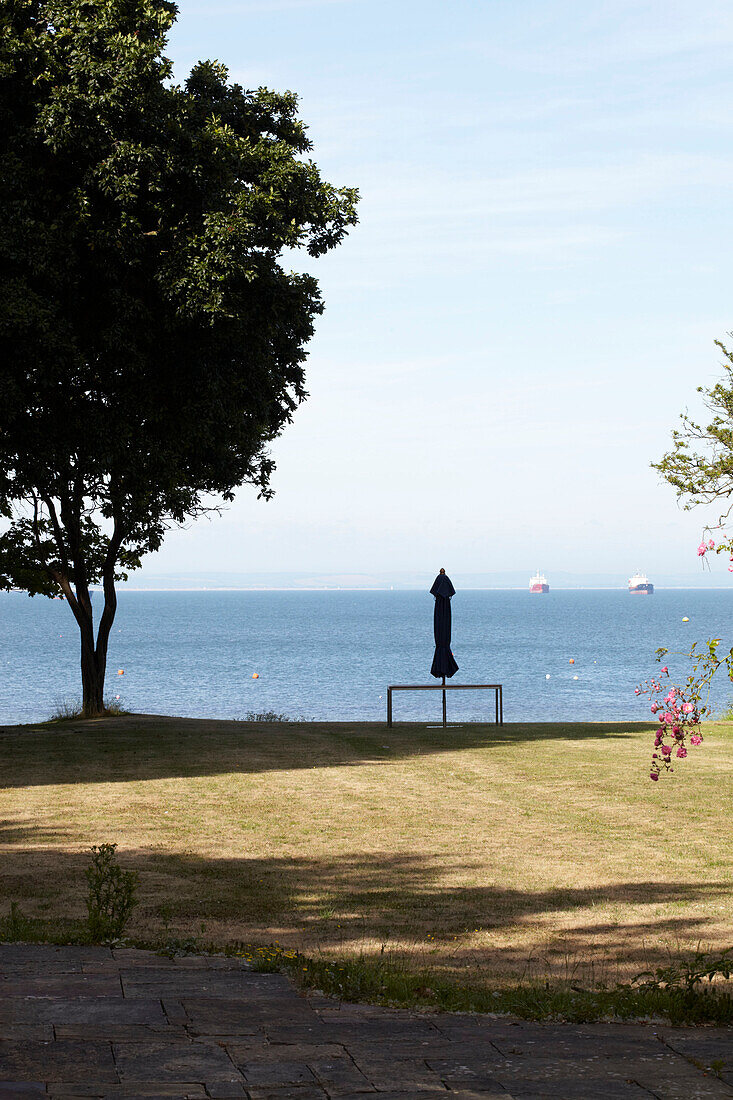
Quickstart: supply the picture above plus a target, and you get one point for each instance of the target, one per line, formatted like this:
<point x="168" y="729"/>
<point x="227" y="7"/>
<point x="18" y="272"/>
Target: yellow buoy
<point x="255" y="675"/>
<point x="572" y="660"/>
<point x="685" y="619"/>
<point x="120" y="672"/>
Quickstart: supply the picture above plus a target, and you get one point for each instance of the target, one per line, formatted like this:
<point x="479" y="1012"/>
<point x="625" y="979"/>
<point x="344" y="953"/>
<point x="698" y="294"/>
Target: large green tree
<point x="152" y="343"/>
<point x="700" y="463"/>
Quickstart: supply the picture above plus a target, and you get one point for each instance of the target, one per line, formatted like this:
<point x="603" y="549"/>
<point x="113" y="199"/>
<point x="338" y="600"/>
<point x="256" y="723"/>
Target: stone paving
<point x="93" y="1022"/>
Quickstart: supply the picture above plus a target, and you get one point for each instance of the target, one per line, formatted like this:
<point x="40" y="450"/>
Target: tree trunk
<point x="92" y="680"/>
<point x="93" y="657"/>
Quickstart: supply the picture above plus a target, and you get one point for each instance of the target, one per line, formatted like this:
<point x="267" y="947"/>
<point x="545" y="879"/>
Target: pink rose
<point x="666" y="749"/>
<point x="654" y="708"/>
<point x="702" y="549"/>
<point x="682" y="751"/>
<point x="696" y="739"/>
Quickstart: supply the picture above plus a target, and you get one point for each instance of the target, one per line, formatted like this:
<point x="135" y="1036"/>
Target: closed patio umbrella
<point x="444" y="663"/>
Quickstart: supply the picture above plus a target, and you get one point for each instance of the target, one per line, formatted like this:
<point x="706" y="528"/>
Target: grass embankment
<point x="472" y="858"/>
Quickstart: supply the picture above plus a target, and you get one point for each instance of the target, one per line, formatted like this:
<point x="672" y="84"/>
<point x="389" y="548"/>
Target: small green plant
<point x="16" y="927"/>
<point x="703" y="967"/>
<point x="65" y="710"/>
<point x="178" y="945"/>
<point x="115" y="707"/>
<point x="267" y="959"/>
<point x="70" y="710"/>
<point x="111" y="896"/>
<point x="264" y="716"/>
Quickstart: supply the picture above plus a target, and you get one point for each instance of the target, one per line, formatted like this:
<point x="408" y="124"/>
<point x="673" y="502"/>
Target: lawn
<point x="496" y="851"/>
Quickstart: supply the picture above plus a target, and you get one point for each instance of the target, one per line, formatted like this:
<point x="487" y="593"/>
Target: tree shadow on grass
<point x="25" y="829"/>
<point x="147" y="747"/>
<point x="351" y="903"/>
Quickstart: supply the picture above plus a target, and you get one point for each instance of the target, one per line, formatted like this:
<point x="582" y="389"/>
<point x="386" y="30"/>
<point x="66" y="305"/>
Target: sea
<point x="573" y="655"/>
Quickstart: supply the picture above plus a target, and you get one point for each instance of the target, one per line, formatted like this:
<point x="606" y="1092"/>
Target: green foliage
<point x="700" y="464"/>
<point x="152" y="342"/>
<point x="264" y="716"/>
<point x="687" y="976"/>
<point x="71" y="710"/>
<point x="66" y="710"/>
<point x="726" y="714"/>
<point x="673" y="993"/>
<point x="705" y="662"/>
<point x="175" y="946"/>
<point x="266" y="959"/>
<point x="16" y="927"/>
<point x="111" y="897"/>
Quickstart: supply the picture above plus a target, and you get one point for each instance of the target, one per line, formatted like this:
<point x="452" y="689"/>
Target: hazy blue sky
<point x="541" y="267"/>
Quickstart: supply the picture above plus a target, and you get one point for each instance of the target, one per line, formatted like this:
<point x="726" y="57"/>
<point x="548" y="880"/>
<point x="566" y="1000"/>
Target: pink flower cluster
<point x="704" y="547"/>
<point x="679" y="721"/>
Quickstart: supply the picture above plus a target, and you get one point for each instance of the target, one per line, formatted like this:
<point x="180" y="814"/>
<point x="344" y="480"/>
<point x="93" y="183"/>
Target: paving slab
<point x="23" y="956"/>
<point x="79" y="1023"/>
<point x="60" y="1060"/>
<point x="339" y="1075"/>
<point x="60" y="985"/>
<point x="16" y="1090"/>
<point x="128" y="1091"/>
<point x="597" y="1088"/>
<point x="177" y="1062"/>
<point x="154" y="1092"/>
<point x="307" y="1092"/>
<point x="41" y="1032"/>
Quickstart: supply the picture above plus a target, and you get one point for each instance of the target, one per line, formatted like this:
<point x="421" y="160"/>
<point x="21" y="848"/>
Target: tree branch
<point x="110" y="594"/>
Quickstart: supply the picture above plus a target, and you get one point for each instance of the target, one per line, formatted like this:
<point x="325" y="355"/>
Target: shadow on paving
<point x="87" y="1022"/>
<point x="143" y="747"/>
<point x="380" y="897"/>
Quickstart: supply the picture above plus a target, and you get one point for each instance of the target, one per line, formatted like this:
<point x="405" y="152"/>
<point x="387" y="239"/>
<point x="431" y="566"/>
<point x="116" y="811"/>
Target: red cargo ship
<point x="538" y="583"/>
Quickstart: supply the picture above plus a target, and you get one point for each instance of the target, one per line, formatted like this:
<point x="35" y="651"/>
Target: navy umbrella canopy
<point x="444" y="663"/>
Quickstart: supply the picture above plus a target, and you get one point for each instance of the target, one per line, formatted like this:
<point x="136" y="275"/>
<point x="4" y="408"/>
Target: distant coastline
<point x="414" y="588"/>
<point x="403" y="581"/>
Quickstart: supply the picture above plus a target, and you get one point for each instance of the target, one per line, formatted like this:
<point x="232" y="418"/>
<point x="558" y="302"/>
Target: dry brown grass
<point x="477" y="847"/>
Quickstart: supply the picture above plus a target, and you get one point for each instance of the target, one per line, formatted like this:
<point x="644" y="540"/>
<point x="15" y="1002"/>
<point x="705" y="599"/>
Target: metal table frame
<point x="496" y="688"/>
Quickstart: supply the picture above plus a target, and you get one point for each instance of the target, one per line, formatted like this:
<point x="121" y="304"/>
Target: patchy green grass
<point x="392" y="981"/>
<point x="475" y="859"/>
<point x="70" y="710"/>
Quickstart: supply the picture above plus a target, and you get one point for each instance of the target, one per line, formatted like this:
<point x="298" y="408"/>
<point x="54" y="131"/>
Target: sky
<point x="529" y="300"/>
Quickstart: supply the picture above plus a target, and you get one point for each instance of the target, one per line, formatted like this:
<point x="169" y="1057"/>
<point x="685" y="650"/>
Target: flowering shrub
<point x="680" y="710"/>
<point x="724" y="547"/>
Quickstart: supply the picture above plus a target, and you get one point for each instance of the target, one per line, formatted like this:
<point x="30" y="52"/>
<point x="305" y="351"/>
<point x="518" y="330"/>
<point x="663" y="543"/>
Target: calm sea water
<point x="330" y="655"/>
